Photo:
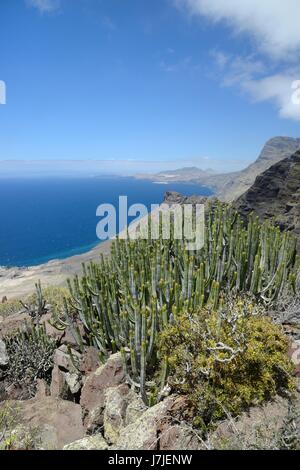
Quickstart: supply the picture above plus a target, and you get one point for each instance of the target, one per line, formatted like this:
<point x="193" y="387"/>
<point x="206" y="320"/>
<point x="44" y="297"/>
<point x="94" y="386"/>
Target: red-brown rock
<point x="110" y="374"/>
<point x="58" y="387"/>
<point x="58" y="422"/>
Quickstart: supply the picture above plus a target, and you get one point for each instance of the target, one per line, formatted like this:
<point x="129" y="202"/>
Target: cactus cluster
<point x="125" y="300"/>
<point x="30" y="351"/>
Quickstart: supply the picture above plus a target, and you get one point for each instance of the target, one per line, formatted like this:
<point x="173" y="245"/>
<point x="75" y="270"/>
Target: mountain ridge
<point x="230" y="186"/>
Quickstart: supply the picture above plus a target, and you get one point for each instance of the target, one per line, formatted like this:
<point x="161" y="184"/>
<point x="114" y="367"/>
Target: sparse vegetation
<point x="53" y="296"/>
<point x="13" y="435"/>
<point x="30" y="358"/>
<point x="273" y="433"/>
<point x="10" y="307"/>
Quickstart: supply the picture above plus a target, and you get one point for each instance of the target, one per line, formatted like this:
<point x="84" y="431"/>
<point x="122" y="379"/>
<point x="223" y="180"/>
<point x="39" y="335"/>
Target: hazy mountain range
<point x="229" y="186"/>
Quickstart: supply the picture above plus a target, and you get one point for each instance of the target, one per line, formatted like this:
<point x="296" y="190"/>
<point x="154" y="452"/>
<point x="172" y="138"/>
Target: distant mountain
<point x="276" y="194"/>
<point x="187" y="174"/>
<point x="188" y="171"/>
<point x="229" y="186"/>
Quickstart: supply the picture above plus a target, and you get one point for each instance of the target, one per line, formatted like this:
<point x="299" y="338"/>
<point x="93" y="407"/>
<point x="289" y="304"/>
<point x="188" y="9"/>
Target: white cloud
<point x="279" y="90"/>
<point x="220" y="58"/>
<point x="237" y="69"/>
<point x="280" y="86"/>
<point x="273" y="24"/>
<point x="44" y="6"/>
<point x="269" y="72"/>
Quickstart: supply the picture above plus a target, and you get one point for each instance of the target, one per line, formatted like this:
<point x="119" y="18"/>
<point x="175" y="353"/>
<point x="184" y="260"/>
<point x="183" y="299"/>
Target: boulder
<point x="109" y="375"/>
<point x="74" y="382"/>
<point x="124" y="408"/>
<point x="96" y="442"/>
<point x="3" y="354"/>
<point x="94" y="420"/>
<point x="42" y="389"/>
<point x="180" y="437"/>
<point x="145" y="433"/>
<point x="135" y="408"/>
<point x="59" y="387"/>
<point x="116" y="401"/>
<point x="68" y="337"/>
<point x="58" y="422"/>
<point x="66" y="362"/>
<point x="12" y="323"/>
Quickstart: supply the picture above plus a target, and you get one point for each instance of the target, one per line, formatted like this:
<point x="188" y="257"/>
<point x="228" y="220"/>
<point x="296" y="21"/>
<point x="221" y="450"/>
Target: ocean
<point x="44" y="219"/>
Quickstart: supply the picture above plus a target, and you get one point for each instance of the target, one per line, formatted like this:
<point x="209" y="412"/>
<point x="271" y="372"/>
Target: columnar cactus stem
<point x="125" y="301"/>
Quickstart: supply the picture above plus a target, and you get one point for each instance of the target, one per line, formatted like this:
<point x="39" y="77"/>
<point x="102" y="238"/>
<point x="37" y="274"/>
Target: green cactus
<point x="124" y="301"/>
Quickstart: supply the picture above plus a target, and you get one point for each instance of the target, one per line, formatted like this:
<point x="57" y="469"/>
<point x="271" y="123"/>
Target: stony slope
<point x="274" y="151"/>
<point x="276" y="194"/>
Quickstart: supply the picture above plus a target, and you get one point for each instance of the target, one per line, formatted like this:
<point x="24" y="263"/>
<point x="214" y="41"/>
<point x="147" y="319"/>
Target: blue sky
<point x="147" y="85"/>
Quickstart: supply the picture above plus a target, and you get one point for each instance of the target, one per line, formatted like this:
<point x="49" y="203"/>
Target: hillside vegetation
<point x="165" y="323"/>
<point x="127" y="301"/>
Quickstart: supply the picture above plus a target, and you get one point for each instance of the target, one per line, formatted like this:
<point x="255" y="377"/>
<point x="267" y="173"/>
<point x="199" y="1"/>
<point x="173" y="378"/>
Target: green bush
<point x="30" y="358"/>
<point x="226" y="360"/>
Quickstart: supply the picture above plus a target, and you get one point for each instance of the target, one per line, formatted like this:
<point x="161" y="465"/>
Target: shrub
<point x="30" y="358"/>
<point x="226" y="360"/>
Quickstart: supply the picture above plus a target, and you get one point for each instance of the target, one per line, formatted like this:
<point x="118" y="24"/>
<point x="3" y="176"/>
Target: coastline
<point x="18" y="282"/>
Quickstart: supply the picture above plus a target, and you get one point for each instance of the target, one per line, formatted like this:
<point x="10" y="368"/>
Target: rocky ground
<point x="89" y="406"/>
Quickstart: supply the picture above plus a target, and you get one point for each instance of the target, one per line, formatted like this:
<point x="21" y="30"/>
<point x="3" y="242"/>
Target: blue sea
<point x="44" y="219"/>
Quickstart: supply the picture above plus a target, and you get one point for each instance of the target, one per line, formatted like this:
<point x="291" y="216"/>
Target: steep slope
<point x="276" y="194"/>
<point x="274" y="151"/>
